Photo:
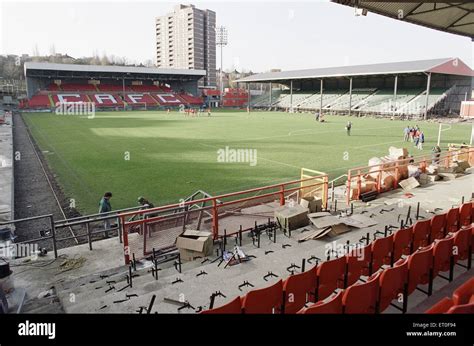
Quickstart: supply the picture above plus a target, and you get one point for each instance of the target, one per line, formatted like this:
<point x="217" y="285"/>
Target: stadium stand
<point x="343" y="284"/>
<point x="77" y="87"/>
<point x="358" y="95"/>
<point x="111" y="95"/>
<point x="39" y="101"/>
<point x="106" y="100"/>
<point x="139" y="99"/>
<point x="71" y="97"/>
<point x="112" y="88"/>
<point x="378" y="89"/>
<point x="461" y="302"/>
<point x="190" y="99"/>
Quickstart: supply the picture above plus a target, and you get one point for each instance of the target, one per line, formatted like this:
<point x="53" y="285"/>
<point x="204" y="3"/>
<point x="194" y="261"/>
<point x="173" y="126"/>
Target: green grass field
<point x="171" y="156"/>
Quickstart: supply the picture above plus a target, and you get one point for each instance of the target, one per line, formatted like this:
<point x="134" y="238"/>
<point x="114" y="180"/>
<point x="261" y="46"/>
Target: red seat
<point x="463" y="294"/>
<point x="332" y="306"/>
<point x="462" y="309"/>
<point x="443" y="259"/>
<point x="438" y="227"/>
<point x="358" y="263"/>
<point x="452" y="220"/>
<point x="393" y="285"/>
<point x="264" y="300"/>
<point x="420" y="266"/>
<point x="362" y="298"/>
<point x="330" y="276"/>
<point x="421" y="234"/>
<point x="382" y="252"/>
<point x="440" y="307"/>
<point x="462" y="246"/>
<point x="232" y="307"/>
<point x="465" y="214"/>
<point x="297" y="288"/>
<point x="402" y="243"/>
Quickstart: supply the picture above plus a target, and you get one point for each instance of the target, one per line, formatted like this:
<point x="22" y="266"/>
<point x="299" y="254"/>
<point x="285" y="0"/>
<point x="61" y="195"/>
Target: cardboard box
<point x="313" y="204"/>
<point x="409" y="184"/>
<point x="193" y="244"/>
<point x="397" y="153"/>
<point x="292" y="217"/>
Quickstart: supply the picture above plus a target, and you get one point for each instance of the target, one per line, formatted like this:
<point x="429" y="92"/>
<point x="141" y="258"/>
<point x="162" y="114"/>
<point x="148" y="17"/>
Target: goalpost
<point x="471" y="140"/>
<point x="442" y="130"/>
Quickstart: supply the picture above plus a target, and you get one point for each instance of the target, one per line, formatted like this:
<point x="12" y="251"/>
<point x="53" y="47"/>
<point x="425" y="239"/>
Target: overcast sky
<point x="262" y="34"/>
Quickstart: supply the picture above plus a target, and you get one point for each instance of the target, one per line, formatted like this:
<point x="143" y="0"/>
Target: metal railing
<point x="217" y="208"/>
<point x="82" y="221"/>
<point x="398" y="170"/>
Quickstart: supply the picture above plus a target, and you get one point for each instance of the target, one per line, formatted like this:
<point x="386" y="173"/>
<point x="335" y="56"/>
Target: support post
<point x="428" y="82"/>
<point x="395" y="87"/>
<point x="126" y="250"/>
<point x="89" y="237"/>
<point x="53" y="236"/>
<point x="215" y="220"/>
<point x="321" y="99"/>
<point x="248" y="96"/>
<point x="291" y="96"/>
<point x="350" y="95"/>
<point x="270" y="104"/>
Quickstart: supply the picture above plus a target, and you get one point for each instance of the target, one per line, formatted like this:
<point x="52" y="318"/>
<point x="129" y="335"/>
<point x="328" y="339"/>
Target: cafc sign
<point x="37" y="329"/>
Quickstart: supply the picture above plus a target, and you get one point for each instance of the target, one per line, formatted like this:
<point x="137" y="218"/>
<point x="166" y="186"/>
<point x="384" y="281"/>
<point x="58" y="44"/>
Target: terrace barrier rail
<point x="386" y="176"/>
<point x="147" y="230"/>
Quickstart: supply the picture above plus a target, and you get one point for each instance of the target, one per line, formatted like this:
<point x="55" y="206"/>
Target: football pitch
<point x="166" y="157"/>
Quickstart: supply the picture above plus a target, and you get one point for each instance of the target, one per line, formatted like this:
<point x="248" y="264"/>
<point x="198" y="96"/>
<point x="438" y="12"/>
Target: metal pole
<point x="248" y="96"/>
<point x="439" y="133"/>
<point x="427" y="95"/>
<point x="472" y="135"/>
<point x="395" y="87"/>
<point x="291" y="96"/>
<point x="350" y="95"/>
<point x="89" y="238"/>
<point x="221" y="79"/>
<point x="321" y="99"/>
<point x="53" y="235"/>
<point x="123" y="91"/>
<point x="270" y="94"/>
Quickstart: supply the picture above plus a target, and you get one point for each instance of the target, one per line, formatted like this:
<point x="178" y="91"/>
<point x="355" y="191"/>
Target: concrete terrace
<point x="85" y="281"/>
<point x="6" y="168"/>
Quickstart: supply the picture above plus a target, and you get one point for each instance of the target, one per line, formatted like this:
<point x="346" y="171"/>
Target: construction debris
<point x="292" y="217"/>
<point x="409" y="184"/>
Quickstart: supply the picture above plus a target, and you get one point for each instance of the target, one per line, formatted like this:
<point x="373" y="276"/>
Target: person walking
<point x="416" y="137"/>
<point x="105" y="207"/>
<point x="421" y="140"/>
<point x="348" y="128"/>
<point x="412" y="134"/>
<point x="406" y="133"/>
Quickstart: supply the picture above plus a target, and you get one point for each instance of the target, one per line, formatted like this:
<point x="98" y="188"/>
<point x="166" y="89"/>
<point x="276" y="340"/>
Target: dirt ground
<point x="33" y="195"/>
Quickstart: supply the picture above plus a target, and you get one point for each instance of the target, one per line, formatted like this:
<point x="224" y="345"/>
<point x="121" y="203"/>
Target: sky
<point x="262" y="34"/>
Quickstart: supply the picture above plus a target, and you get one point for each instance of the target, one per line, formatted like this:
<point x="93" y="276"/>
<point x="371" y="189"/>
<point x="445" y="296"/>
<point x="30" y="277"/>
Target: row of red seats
<point x="190" y="99"/>
<point x="106" y="87"/>
<point x="38" y="101"/>
<point x="462" y="301"/>
<point x="113" y="99"/>
<point x="421" y="266"/>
